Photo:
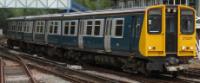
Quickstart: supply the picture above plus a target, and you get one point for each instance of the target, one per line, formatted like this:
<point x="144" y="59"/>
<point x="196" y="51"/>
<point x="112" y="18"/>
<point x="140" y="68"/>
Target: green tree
<point x="95" y="4"/>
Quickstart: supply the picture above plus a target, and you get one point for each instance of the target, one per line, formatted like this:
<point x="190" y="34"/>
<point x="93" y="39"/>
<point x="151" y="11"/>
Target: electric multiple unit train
<point x="159" y="38"/>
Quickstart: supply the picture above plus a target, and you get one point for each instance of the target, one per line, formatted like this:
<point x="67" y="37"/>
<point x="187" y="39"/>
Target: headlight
<point x="152" y="47"/>
<point x="174" y="10"/>
<point x="191" y="48"/>
<point x="184" y="48"/>
<point x="187" y="48"/>
<point x="168" y="10"/>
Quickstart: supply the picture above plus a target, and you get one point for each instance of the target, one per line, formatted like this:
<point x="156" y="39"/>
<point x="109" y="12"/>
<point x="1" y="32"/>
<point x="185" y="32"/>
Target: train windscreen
<point x="154" y="20"/>
<point x="187" y="21"/>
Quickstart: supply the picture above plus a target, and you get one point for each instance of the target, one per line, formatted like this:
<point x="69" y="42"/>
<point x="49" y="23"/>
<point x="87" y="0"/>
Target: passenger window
<point x="94" y="27"/>
<point x="40" y="26"/>
<point x="97" y="28"/>
<point x="18" y="26"/>
<point x="89" y="28"/>
<point x="73" y="25"/>
<point x="154" y="20"/>
<point x="117" y="29"/>
<point x="51" y="29"/>
<point x="70" y="27"/>
<point x="198" y="21"/>
<point x="66" y="27"/>
<point x="27" y="26"/>
<point x="54" y="27"/>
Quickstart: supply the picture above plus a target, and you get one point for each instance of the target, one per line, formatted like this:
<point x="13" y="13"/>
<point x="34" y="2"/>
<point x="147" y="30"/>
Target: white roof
<point x="99" y="12"/>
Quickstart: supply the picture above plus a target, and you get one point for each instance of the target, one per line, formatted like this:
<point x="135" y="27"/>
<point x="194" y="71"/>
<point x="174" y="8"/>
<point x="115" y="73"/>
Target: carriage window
<point x="117" y="30"/>
<point x="187" y="21"/>
<point x="54" y="27"/>
<point x="29" y="25"/>
<point x="26" y="26"/>
<point x="70" y="27"/>
<point x="154" y="21"/>
<point x="66" y="27"/>
<point x="97" y="28"/>
<point x="89" y="28"/>
<point x="94" y="27"/>
<point x="18" y="26"/>
<point x="51" y="29"/>
<point x="40" y="26"/>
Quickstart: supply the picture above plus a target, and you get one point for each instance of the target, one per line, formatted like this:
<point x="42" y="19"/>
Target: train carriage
<point x="159" y="38"/>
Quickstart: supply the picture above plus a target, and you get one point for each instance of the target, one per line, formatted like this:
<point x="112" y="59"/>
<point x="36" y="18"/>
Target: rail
<point x="26" y="69"/>
<point x="1" y="71"/>
<point x="21" y="62"/>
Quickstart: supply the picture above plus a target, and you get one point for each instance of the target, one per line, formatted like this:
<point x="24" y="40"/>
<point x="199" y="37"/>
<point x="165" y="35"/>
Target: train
<point x="159" y="38"/>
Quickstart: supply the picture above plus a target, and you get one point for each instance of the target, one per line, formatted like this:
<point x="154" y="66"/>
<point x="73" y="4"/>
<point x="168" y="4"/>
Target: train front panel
<point x="168" y="36"/>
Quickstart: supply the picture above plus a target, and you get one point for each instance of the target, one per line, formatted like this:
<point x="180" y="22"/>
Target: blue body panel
<point x="19" y="35"/>
<point x="93" y="42"/>
<point x="69" y="41"/>
<point x="54" y="39"/>
<point x="127" y="43"/>
<point x="39" y="38"/>
<point x="123" y="44"/>
<point x="28" y="37"/>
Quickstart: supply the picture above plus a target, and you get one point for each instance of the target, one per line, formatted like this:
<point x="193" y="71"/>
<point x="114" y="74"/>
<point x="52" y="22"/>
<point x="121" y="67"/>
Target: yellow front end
<point x="186" y="42"/>
<point x="154" y="45"/>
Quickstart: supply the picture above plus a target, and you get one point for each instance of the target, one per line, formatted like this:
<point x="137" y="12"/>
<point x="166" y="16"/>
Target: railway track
<point x="80" y="76"/>
<point x="192" y="72"/>
<point x="75" y="76"/>
<point x="15" y="73"/>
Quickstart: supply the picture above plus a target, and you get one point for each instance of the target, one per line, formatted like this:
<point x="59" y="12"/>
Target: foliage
<point x="95" y="4"/>
<point x="90" y="4"/>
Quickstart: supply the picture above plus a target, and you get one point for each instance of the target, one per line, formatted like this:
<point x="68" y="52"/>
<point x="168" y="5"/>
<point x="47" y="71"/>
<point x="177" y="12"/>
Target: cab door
<point x="186" y="31"/>
<point x="152" y="39"/>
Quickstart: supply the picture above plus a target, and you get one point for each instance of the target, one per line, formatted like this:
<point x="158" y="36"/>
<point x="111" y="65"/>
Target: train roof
<point x="87" y="13"/>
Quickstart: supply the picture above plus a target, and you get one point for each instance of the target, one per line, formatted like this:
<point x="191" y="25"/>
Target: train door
<point x="107" y="36"/>
<point x="135" y="32"/>
<point x="80" y="34"/>
<point x="171" y="33"/>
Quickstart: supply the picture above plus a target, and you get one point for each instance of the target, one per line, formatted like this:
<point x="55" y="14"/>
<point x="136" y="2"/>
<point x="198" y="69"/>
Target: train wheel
<point x="143" y="68"/>
<point x="9" y="43"/>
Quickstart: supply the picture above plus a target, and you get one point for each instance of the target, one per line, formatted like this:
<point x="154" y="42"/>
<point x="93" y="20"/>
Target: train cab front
<point x="168" y="37"/>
